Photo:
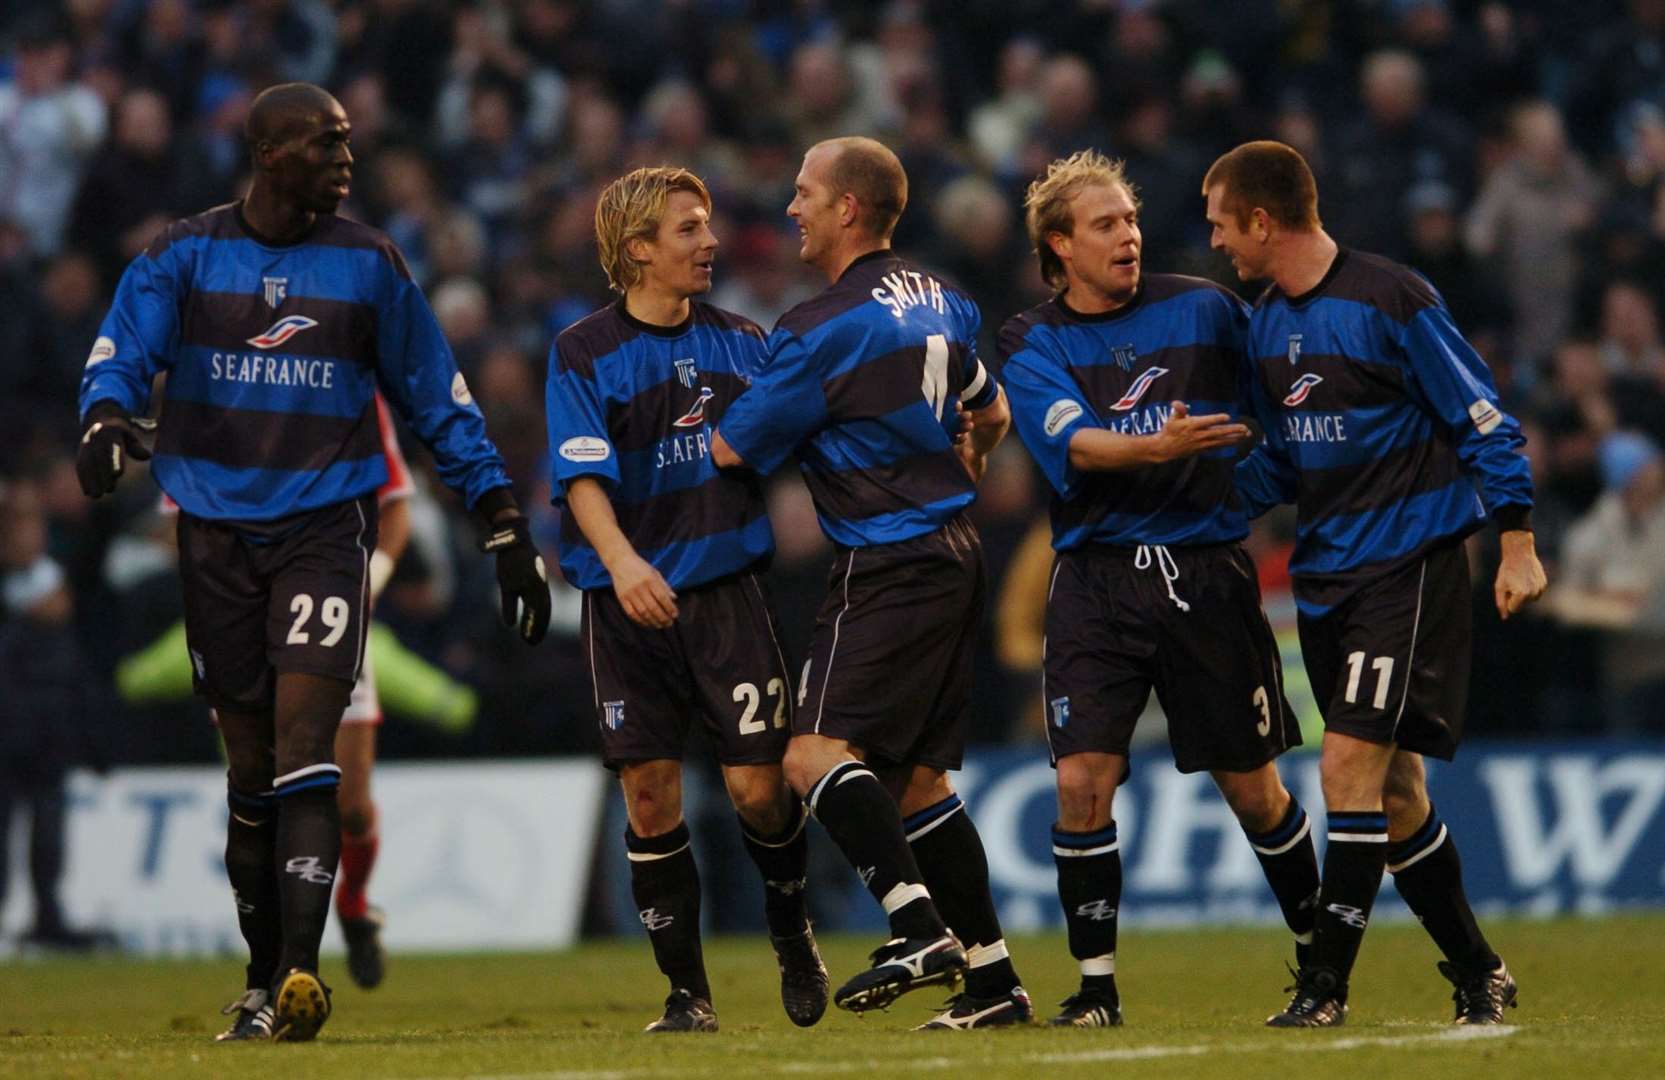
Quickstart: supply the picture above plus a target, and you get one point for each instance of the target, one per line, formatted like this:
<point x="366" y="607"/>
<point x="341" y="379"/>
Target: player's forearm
<point x="1097" y="450"/>
<point x="723" y="454"/>
<point x="393" y="528"/>
<point x="990" y="425"/>
<point x="593" y="511"/>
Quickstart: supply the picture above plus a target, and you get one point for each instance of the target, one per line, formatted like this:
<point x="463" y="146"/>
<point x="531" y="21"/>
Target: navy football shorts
<point x="1184" y="621"/>
<point x="1390" y="662"/>
<point x="291" y="595"/>
<point x="891" y="663"/>
<point x="721" y="663"/>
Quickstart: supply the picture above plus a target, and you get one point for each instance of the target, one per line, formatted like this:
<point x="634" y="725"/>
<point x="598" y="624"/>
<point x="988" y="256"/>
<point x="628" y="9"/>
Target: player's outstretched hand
<point x="520" y="578"/>
<point x="110" y="439"/>
<point x="1186" y="436"/>
<point x="643" y="593"/>
<point x="1520" y="576"/>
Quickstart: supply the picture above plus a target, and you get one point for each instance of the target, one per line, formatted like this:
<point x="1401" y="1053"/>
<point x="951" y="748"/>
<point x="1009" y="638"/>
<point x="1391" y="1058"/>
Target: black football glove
<point x="521" y="577"/>
<point x="110" y="439"/>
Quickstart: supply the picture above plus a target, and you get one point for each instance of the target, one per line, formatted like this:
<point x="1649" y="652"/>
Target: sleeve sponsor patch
<point x="1059" y="415"/>
<point x="459" y="390"/>
<point x="102" y="350"/>
<point x="1485" y="415"/>
<point x="585" y="448"/>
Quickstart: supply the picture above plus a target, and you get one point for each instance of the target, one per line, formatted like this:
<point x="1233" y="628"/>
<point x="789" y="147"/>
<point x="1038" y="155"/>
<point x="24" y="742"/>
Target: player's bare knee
<point x="923" y="788"/>
<point x="249" y="768"/>
<point x="761" y="797"/>
<point x="1086" y="792"/>
<point x="1258" y="798"/>
<point x="1405" y="795"/>
<point x="653" y="796"/>
<point x="805" y="763"/>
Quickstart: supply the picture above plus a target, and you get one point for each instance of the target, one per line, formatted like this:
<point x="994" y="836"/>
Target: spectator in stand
<point x="49" y="128"/>
<point x="1630" y="338"/>
<point x="1527" y="222"/>
<point x="1477" y="305"/>
<point x="1614" y="579"/>
<point x="49" y="719"/>
<point x="146" y="176"/>
<point x="997" y="127"/>
<point x="1398" y="142"/>
<point x="71" y="305"/>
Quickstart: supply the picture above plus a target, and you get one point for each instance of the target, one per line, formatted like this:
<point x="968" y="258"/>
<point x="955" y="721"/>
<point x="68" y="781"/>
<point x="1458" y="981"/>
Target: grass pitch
<point x="1592" y="993"/>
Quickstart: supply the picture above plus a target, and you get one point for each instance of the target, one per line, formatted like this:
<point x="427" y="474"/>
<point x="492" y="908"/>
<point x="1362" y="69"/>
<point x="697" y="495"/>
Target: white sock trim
<point x="983" y="955"/>
<point x="310" y="770"/>
<point x="902" y="894"/>
<point x="651" y="856"/>
<point x="1099" y="965"/>
<point x="1082" y="853"/>
<point x="844" y="770"/>
<point x="1439" y="838"/>
<point x="929" y="825"/>
<point x="1358" y="838"/>
<point x="1301" y="834"/>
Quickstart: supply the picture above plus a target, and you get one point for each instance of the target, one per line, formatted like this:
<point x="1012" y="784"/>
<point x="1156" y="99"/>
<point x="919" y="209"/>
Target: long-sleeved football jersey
<point x="1382" y="426"/>
<point x="272" y="355"/>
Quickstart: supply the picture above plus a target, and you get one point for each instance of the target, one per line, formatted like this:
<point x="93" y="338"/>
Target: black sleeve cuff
<point x="103" y="409"/>
<point x="488" y="506"/>
<point x="1512" y="517"/>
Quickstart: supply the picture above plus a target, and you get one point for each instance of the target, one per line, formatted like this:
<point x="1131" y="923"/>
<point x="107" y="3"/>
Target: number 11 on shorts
<point x="1382" y="665"/>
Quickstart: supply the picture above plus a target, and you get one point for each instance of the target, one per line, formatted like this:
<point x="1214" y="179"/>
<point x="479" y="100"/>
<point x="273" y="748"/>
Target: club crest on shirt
<point x="1301" y="388"/>
<point x="685" y="371"/>
<point x="1294" y="348"/>
<point x="1125" y="355"/>
<point x="695" y="416"/>
<point x="276" y="288"/>
<point x="1137" y="390"/>
<point x="281" y="331"/>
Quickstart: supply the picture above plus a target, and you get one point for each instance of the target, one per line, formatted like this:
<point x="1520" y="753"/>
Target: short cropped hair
<point x="869" y="170"/>
<point x="632" y="207"/>
<point x="1049" y="204"/>
<point x="1268" y="175"/>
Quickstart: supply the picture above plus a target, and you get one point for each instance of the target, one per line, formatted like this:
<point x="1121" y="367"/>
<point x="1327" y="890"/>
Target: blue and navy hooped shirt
<point x="1382" y="426"/>
<point x="1178" y="339"/>
<point x="273" y="355"/>
<point x="861" y="382"/>
<point x="633" y="405"/>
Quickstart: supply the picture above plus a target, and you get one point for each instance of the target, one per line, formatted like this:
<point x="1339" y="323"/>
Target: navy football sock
<point x="665" y="883"/>
<point x="250" y="863"/>
<point x="783" y="861"/>
<point x="1291" y="866"/>
<point x="956" y="869"/>
<point x="1090" y="889"/>
<point x="862" y="819"/>
<point x="1352" y="876"/>
<point x="307" y="850"/>
<point x="1428" y="872"/>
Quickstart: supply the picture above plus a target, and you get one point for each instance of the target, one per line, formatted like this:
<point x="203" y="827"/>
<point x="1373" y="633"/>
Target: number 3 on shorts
<point x="747" y="692"/>
<point x="335" y="616"/>
<point x="1264" y="704"/>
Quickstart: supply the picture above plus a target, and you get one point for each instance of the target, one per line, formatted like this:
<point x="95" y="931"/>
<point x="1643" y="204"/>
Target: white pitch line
<point x="1455" y="1035"/>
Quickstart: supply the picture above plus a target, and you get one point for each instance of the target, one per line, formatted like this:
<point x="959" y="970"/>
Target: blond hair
<point x="1049" y="203"/>
<point x="633" y="207"/>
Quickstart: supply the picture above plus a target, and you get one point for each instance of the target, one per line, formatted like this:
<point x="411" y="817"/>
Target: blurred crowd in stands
<point x="1512" y="152"/>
